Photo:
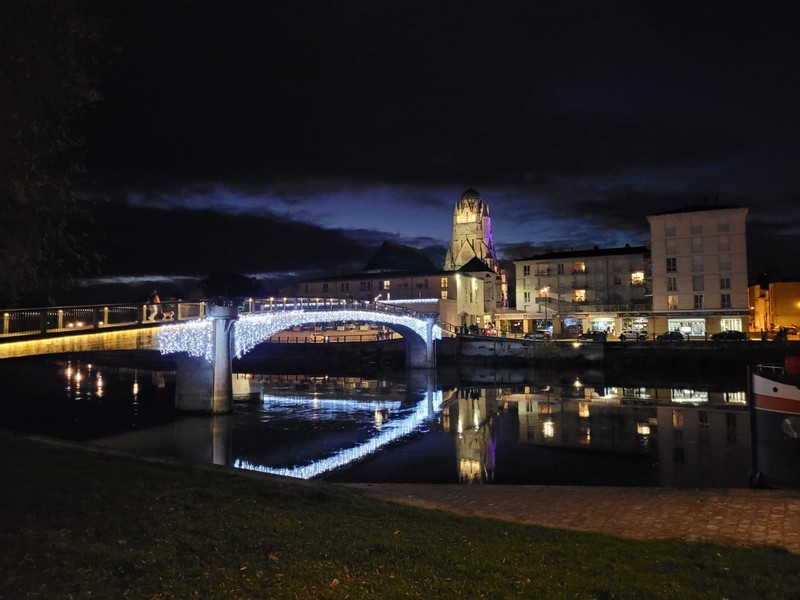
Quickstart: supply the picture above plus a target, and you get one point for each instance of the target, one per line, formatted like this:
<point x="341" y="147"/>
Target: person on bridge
<point x="154" y="301"/>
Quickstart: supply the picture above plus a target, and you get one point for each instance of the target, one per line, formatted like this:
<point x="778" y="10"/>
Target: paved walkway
<point x="741" y="517"/>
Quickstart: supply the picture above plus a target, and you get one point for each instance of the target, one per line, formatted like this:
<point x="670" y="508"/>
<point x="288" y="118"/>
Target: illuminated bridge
<point x="203" y="337"/>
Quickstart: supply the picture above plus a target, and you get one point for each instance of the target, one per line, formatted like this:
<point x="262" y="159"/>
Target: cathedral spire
<point x="472" y="233"/>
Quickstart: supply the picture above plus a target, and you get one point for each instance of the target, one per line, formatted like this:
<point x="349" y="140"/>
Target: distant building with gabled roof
<point x="404" y="276"/>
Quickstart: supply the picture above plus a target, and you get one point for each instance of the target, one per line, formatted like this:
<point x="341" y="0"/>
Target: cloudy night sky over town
<point x="293" y="138"/>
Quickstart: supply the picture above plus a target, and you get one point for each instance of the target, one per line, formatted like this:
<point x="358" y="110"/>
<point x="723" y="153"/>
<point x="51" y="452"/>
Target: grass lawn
<point x="82" y="524"/>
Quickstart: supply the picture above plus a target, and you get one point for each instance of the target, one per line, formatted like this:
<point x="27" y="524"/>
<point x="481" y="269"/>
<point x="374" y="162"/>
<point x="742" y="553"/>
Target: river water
<point x="552" y="428"/>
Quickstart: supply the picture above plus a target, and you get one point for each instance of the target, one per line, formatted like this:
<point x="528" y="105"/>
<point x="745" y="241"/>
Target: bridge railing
<point x="67" y="319"/>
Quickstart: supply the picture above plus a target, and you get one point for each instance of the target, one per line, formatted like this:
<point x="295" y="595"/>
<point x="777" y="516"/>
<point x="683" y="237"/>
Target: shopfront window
<point x="730" y="324"/>
<point x="690" y="327"/>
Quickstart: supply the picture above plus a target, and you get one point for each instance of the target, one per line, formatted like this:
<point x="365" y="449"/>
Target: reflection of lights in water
<point x="99" y="385"/>
<point x="643" y="428"/>
<point x="689" y="396"/>
<point x="470" y="469"/>
<point x="135" y="388"/>
<point x="378" y="418"/>
<point x="329" y="407"/>
<point x="476" y="418"/>
<point x="585" y="437"/>
<point x="392" y="430"/>
<point x="549" y="429"/>
<point x="583" y="409"/>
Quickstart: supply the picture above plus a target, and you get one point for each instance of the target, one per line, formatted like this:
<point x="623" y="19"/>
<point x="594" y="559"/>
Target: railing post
<point x="60" y="323"/>
<point x="95" y="318"/>
<point x="105" y="315"/>
<point x="6" y="323"/>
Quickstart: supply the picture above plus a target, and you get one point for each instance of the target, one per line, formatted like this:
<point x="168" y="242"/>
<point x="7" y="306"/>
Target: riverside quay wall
<point x="491" y="351"/>
<point x="696" y="354"/>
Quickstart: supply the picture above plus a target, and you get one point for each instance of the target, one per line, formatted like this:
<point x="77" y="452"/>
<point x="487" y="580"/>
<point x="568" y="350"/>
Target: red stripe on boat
<point x="775" y="404"/>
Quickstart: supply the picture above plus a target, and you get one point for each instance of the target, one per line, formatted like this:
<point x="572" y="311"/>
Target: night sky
<point x="294" y="137"/>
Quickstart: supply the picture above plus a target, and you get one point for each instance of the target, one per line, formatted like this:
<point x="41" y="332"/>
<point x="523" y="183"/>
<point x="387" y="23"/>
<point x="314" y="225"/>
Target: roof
<point x="589" y="252"/>
<point x="392" y="256"/>
<point x="470" y="194"/>
<point x="475" y="265"/>
<point x="697" y="208"/>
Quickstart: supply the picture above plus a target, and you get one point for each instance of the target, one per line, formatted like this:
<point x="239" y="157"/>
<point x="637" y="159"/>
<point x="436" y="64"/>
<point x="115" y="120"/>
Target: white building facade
<point x="699" y="270"/>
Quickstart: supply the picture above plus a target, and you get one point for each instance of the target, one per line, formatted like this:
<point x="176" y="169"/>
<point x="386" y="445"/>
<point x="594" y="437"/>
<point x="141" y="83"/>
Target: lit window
<point x="444" y="282"/>
<point x="672" y="302"/>
<point x="387" y="284"/>
<point x="580" y="295"/>
<point x="444" y="294"/>
<point x="542" y="293"/>
<point x="579" y="267"/>
<point x="637" y="278"/>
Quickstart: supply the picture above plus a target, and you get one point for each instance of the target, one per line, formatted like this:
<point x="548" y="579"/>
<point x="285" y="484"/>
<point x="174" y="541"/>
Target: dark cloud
<point x="142" y="240"/>
<point x="575" y="120"/>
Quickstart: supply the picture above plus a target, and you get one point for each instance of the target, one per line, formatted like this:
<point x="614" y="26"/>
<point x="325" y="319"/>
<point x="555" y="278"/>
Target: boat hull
<point x="776" y="415"/>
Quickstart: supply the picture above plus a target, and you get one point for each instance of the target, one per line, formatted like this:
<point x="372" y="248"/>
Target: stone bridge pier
<point x="420" y="353"/>
<point x="205" y="387"/>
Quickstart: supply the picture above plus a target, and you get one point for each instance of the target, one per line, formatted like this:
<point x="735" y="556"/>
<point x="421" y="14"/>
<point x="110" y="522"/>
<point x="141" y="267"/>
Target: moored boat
<point x="775" y="403"/>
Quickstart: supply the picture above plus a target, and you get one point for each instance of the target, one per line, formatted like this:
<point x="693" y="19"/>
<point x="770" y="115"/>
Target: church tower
<point x="472" y="234"/>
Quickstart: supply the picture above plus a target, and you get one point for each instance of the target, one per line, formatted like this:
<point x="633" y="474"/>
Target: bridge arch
<point x="419" y="333"/>
<point x="196" y="338"/>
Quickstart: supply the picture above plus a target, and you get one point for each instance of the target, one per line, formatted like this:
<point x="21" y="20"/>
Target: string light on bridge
<point x="195" y="337"/>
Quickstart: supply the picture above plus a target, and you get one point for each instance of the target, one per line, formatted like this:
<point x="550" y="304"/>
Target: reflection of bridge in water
<point x="202" y="337"/>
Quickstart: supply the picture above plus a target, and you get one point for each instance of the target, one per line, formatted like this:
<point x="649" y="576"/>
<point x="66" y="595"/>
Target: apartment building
<point x="699" y="270"/>
<point x="602" y="289"/>
<point x="775" y="305"/>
